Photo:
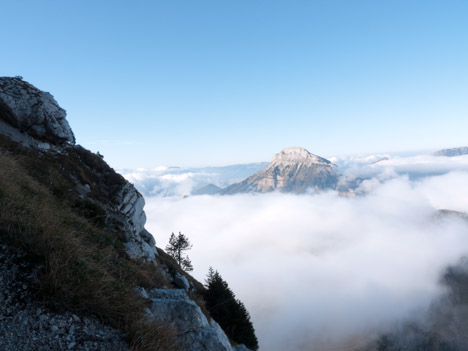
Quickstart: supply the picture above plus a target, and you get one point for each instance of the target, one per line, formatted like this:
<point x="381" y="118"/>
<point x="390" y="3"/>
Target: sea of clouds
<point x="323" y="271"/>
<point x="182" y="181"/>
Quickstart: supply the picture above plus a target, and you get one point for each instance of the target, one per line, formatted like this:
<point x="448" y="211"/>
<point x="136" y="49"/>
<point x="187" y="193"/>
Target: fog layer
<point x="323" y="271"/>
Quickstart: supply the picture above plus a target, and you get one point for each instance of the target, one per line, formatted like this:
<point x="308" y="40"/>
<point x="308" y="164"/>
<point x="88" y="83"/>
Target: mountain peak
<point x="297" y="154"/>
<point x="294" y="169"/>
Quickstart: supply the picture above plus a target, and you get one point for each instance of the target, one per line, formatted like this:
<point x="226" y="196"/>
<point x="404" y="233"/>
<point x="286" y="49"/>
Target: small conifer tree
<point x="176" y="248"/>
<point x="229" y="312"/>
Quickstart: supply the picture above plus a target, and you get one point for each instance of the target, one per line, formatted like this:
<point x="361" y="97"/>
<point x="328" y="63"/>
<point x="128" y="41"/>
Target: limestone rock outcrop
<point x="34" y="119"/>
<point x="33" y="112"/>
<point x="194" y="331"/>
<point x="295" y="170"/>
<point x="141" y="243"/>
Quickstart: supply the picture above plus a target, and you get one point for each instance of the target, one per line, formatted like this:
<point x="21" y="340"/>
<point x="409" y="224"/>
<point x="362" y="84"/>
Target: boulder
<point x="182" y="282"/>
<point x="194" y="331"/>
<point x="33" y="112"/>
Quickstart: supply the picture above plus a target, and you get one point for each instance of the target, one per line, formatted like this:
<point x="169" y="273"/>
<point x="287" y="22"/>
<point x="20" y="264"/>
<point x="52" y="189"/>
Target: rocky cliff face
<point x="193" y="327"/>
<point x="34" y="119"/>
<point x="31" y="116"/>
<point x="41" y="135"/>
<point x="295" y="170"/>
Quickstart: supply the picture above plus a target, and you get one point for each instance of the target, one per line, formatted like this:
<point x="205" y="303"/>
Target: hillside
<point x="74" y="246"/>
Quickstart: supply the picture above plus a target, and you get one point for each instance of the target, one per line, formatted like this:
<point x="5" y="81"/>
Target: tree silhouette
<point x="178" y="244"/>
<point x="229" y="312"/>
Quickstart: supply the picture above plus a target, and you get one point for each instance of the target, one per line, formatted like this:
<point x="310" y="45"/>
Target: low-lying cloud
<point x="321" y="272"/>
<point x="177" y="181"/>
<point x="387" y="166"/>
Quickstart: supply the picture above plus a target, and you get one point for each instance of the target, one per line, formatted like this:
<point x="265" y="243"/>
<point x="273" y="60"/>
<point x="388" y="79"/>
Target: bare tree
<point x="176" y="248"/>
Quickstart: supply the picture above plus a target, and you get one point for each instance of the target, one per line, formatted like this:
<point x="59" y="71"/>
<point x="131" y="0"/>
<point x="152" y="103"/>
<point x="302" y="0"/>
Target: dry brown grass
<point x="84" y="270"/>
<point x="153" y="337"/>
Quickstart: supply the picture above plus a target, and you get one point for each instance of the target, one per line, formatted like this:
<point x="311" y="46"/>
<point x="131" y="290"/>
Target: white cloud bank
<point x="386" y="166"/>
<point x="316" y="270"/>
<point x="178" y="182"/>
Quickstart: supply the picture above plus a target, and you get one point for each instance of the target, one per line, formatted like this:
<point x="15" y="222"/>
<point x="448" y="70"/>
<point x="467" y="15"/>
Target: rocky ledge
<point x="195" y="332"/>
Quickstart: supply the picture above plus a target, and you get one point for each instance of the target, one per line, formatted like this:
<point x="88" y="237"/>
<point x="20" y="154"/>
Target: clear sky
<point x="194" y="83"/>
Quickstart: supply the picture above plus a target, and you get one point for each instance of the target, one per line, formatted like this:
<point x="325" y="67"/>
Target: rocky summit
<point x="295" y="170"/>
<point x="28" y="113"/>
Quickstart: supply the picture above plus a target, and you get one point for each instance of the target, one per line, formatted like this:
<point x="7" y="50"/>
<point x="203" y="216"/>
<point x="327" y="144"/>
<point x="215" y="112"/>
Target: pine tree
<point x="229" y="312"/>
<point x="209" y="276"/>
<point x="176" y="248"/>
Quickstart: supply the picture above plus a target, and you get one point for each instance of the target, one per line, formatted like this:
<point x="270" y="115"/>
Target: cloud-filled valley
<point x="179" y="182"/>
<point x="319" y="271"/>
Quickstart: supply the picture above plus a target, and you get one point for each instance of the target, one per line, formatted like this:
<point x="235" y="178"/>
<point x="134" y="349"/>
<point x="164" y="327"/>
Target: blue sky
<point x="195" y="83"/>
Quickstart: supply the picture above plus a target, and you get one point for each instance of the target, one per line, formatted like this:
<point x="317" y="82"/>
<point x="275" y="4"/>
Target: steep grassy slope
<point x="85" y="268"/>
<point x="82" y="227"/>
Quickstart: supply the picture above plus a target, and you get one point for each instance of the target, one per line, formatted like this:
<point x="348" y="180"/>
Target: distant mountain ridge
<point x="457" y="151"/>
<point x="209" y="189"/>
<point x="294" y="170"/>
<point x="182" y="181"/>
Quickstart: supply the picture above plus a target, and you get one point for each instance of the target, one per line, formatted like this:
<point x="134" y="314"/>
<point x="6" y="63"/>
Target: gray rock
<point x="33" y="112"/>
<point x="148" y="237"/>
<point x="131" y="206"/>
<point x="142" y="292"/>
<point x="140" y="243"/>
<point x="182" y="282"/>
<point x="140" y="250"/>
<point x="194" y="331"/>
